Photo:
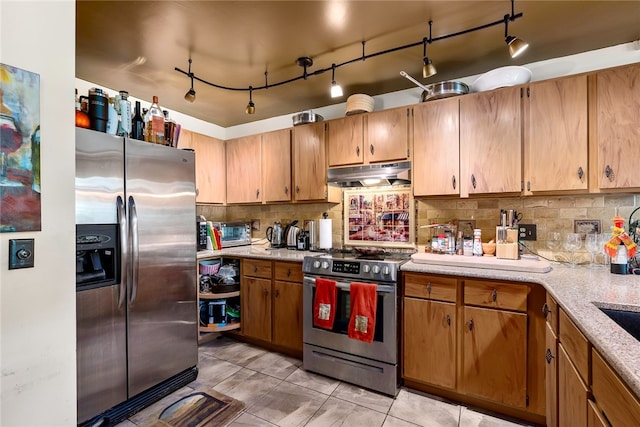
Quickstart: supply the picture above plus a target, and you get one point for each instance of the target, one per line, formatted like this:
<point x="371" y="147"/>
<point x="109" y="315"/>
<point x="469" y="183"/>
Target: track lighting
<point x="251" y="107"/>
<point x="336" y="90"/>
<point x="515" y="45"/>
<point x="190" y="96"/>
<point x="428" y="69"/>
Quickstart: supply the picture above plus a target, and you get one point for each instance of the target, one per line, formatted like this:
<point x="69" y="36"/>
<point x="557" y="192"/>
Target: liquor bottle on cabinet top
<point x="123" y="107"/>
<point x="137" y="124"/>
<point x="154" y="123"/>
<point x="169" y="129"/>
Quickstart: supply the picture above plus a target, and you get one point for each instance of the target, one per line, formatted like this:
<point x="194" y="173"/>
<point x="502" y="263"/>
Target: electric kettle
<point x="275" y="235"/>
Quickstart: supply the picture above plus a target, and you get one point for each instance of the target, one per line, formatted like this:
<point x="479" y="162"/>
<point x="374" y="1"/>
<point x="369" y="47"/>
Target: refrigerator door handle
<point x="133" y="236"/>
<point x="124" y="251"/>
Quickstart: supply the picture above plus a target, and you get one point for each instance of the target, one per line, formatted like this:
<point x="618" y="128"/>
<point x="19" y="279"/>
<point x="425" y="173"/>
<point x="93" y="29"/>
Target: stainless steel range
<point x="332" y="352"/>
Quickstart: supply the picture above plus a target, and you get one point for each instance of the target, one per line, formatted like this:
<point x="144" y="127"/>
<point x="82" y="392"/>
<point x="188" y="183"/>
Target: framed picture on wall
<point x="379" y="217"/>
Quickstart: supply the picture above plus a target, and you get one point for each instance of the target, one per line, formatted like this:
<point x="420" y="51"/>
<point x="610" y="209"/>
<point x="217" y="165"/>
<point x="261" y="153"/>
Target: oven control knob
<point x="386" y="270"/>
<point x="366" y="268"/>
<point x="325" y="264"/>
<point x="376" y="269"/>
<point x="316" y="264"/>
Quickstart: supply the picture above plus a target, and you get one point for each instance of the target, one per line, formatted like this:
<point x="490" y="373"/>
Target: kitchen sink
<point x="627" y="320"/>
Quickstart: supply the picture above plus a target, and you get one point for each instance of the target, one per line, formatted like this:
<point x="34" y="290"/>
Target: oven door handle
<point x="385" y="289"/>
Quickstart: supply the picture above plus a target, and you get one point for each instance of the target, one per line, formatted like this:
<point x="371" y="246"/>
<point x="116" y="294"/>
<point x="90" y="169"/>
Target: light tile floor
<point x="276" y="391"/>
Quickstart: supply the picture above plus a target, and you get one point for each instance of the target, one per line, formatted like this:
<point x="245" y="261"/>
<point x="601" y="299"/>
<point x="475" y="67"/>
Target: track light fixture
<point x="516" y="47"/>
<point x="190" y="96"/>
<point x="336" y="89"/>
<point x="428" y="69"/>
<point x="251" y="107"/>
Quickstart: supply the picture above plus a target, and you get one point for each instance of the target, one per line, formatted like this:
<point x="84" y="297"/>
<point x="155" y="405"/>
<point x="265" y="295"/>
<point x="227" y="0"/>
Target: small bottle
<point x="619" y="262"/>
<point x="112" y="120"/>
<point x="477" y="242"/>
<point x="169" y="129"/>
<point x="82" y="118"/>
<point x="137" y="124"/>
<point x="124" y="111"/>
<point x="154" y="123"/>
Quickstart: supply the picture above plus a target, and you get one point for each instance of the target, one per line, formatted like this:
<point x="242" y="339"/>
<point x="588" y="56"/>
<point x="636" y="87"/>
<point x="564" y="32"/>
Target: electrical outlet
<point x="527" y="232"/>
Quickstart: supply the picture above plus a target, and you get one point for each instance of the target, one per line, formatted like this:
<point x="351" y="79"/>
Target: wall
<point x="37" y="305"/>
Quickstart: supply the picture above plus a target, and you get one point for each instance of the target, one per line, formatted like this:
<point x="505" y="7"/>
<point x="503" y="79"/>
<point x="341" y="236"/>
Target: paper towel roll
<point x="325" y="234"/>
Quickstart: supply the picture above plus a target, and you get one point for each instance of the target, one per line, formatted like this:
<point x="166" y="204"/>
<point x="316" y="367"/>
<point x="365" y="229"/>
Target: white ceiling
<point x="233" y="43"/>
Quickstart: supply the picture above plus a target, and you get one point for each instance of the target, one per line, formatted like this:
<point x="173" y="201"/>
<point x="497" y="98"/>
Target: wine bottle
<point x="137" y="124"/>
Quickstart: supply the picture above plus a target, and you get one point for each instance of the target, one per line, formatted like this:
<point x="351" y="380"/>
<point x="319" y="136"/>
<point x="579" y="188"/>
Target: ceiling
<point x="233" y="43"/>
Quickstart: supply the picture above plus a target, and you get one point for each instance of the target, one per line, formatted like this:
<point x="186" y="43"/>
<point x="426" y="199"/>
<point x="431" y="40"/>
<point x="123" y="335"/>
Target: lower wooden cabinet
<point x="287" y="305"/>
<point x="572" y="393"/>
<point x="551" y="375"/>
<point x="618" y="405"/>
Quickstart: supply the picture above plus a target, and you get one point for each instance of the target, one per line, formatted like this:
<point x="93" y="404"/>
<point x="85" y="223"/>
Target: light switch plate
<point x="21" y="253"/>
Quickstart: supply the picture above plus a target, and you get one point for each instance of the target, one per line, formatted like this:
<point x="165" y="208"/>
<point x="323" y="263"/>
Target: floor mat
<point x="200" y="409"/>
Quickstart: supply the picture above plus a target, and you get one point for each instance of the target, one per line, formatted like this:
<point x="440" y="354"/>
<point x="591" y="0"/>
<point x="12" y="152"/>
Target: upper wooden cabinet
<point x="436" y="148"/>
<point x="210" y="165"/>
<point x="617" y="128"/>
<point x="309" y="162"/>
<point x="491" y="142"/>
<point x="369" y="138"/>
<point x="244" y="170"/>
<point x="556" y="142"/>
<point x="276" y="166"/>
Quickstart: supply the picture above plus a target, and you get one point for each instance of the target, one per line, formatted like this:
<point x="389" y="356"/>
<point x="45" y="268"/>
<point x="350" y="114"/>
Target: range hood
<point x="398" y="173"/>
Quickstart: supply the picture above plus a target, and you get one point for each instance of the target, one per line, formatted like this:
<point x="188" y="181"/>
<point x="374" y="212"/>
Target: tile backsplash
<point x="553" y="213"/>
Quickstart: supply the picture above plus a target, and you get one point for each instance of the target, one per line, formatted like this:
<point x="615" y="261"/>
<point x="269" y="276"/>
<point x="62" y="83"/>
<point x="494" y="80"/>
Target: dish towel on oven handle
<point x="364" y="301"/>
<point x="324" y="303"/>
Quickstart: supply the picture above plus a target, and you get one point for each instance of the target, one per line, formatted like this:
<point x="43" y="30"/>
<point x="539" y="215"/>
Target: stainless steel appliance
<point x="332" y="352"/>
<point x="236" y="233"/>
<point x="137" y="331"/>
<point x="275" y="235"/>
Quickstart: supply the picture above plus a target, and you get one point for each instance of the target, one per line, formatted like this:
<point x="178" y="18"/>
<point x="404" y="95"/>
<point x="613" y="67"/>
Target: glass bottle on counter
<point x="477" y="242"/>
<point x="137" y="124"/>
<point x="154" y="124"/>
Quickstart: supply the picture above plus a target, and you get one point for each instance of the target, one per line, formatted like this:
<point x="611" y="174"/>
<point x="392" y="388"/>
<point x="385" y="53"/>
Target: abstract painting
<point x="19" y="150"/>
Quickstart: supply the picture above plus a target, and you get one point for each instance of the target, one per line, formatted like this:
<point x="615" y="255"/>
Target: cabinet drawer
<point x="575" y="344"/>
<point x="613" y="397"/>
<point x="496" y="295"/>
<point x="430" y="287"/>
<point x="550" y="311"/>
<point x="288" y="271"/>
<point x="256" y="268"/>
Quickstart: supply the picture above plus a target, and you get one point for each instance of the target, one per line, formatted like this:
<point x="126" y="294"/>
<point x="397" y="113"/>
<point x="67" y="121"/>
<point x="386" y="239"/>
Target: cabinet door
<point x="244" y="170"/>
<point x="572" y="393"/>
<point x="618" y="404"/>
<point x="387" y="136"/>
<point x="287" y="314"/>
<point x="310" y="162"/>
<point x="618" y="129"/>
<point x="256" y="307"/>
<point x="491" y="142"/>
<point x="594" y="417"/>
<point x="557" y="148"/>
<point x="551" y="376"/>
<point x="345" y="140"/>
<point x="430" y="342"/>
<point x="210" y="166"/>
<point x="436" y="148"/>
<point x="276" y="166"/>
<point x="494" y="347"/>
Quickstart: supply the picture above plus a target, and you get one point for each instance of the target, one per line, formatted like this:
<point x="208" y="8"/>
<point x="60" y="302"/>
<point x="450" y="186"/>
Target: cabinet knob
<point x="545" y="310"/>
<point x="608" y="172"/>
<point x="289" y="273"/>
<point x="549" y="356"/>
<point x="448" y="320"/>
<point x="470" y="324"/>
<point x="265" y="292"/>
<point x="453" y="182"/>
<point x="528" y="185"/>
<point x="286" y="190"/>
<point x="257" y="193"/>
<point x="371" y="149"/>
<point x="580" y="173"/>
<point x="357" y="151"/>
<point x="297" y="189"/>
<point x="494" y="295"/>
<point x="255" y="268"/>
<point x="277" y="293"/>
<point x="473" y="181"/>
<point x="429" y="288"/>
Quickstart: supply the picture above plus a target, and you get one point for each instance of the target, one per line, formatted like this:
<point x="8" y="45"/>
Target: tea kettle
<point x="275" y="235"/>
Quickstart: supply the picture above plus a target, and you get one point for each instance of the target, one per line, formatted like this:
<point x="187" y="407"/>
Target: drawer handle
<point x="473" y="181"/>
<point x="357" y="151"/>
<point x="549" y="356"/>
<point x="255" y="268"/>
<point x="289" y="273"/>
<point x="448" y="320"/>
<point x="545" y="310"/>
<point x="470" y="325"/>
<point x="371" y="149"/>
<point x="494" y="295"/>
<point x="429" y="288"/>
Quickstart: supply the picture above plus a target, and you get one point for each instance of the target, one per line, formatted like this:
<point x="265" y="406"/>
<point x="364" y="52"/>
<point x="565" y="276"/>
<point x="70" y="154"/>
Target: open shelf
<point x="220" y="296"/>
<point x="228" y="327"/>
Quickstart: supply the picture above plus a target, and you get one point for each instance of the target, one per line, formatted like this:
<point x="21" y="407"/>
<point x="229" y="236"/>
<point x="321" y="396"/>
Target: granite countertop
<point x="576" y="290"/>
<point x="260" y="251"/>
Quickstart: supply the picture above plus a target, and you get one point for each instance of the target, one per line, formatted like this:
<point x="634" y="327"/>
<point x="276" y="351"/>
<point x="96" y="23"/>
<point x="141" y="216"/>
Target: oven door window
<point x="343" y="314"/>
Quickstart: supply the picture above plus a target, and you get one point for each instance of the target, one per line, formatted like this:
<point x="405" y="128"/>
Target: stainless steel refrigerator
<point x="137" y="333"/>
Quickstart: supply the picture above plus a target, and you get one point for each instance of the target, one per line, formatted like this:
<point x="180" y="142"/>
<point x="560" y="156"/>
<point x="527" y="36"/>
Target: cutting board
<point x="529" y="265"/>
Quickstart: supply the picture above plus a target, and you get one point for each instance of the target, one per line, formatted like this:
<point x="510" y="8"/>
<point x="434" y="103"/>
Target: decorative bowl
<point x="502" y="77"/>
<point x="489" y="248"/>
